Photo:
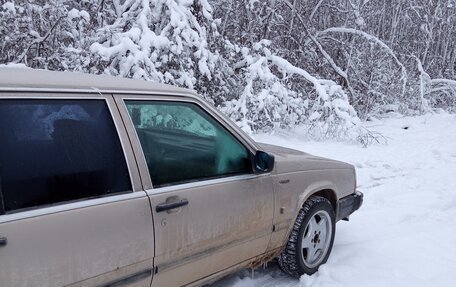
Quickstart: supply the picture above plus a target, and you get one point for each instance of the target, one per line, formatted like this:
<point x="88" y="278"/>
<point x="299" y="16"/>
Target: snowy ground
<point x="405" y="233"/>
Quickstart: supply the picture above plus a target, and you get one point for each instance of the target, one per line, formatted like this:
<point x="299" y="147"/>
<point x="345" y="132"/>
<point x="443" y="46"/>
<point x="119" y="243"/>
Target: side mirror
<point x="263" y="162"/>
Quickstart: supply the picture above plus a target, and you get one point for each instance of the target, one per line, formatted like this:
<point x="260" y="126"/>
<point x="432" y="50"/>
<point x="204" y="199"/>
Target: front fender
<point x="291" y="190"/>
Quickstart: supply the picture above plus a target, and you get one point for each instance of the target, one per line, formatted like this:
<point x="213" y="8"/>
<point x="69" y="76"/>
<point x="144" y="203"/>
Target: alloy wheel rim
<point x="316" y="239"/>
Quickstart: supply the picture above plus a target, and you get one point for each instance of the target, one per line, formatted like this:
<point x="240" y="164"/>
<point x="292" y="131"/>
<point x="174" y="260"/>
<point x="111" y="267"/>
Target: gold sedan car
<point x="116" y="182"/>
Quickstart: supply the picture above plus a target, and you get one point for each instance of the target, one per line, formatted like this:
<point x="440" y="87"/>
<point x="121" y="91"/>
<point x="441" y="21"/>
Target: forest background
<point x="325" y="65"/>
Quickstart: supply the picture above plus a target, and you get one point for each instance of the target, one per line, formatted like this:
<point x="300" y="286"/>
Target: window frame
<point x="233" y="130"/>
<point x="127" y="152"/>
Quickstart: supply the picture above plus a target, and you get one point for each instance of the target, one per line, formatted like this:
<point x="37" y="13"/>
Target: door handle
<point x="167" y="206"/>
<point x="3" y="241"/>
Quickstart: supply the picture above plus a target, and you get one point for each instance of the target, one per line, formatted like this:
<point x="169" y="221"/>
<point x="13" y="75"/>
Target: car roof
<point x="26" y="79"/>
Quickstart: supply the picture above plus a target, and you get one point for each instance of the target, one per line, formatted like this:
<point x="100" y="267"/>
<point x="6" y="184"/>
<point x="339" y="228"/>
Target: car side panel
<point x="89" y="242"/>
<point x="223" y="224"/>
<point x="78" y="243"/>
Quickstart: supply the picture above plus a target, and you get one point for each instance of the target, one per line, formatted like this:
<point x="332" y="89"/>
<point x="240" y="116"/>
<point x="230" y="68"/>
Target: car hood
<point x="290" y="160"/>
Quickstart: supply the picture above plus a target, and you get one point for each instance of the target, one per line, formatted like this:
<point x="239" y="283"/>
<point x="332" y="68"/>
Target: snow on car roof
<point x="25" y="79"/>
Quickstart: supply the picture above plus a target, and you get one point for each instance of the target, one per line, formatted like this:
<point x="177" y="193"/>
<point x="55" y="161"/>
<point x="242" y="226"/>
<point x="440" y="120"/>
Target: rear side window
<point x="53" y="151"/>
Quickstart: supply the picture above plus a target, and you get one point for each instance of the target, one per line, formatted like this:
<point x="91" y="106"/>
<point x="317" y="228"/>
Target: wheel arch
<point x="288" y="259"/>
<point x="324" y="189"/>
<point x="329" y="194"/>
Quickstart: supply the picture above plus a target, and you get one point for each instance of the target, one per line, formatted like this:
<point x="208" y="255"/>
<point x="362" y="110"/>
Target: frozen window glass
<point x="54" y="151"/>
<point x="182" y="143"/>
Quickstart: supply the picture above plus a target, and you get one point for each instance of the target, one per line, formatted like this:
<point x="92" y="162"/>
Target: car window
<point x="55" y="151"/>
<point x="182" y="143"/>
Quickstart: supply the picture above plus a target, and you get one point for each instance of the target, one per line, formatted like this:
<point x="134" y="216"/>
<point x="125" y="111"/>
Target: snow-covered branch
<point x="267" y="99"/>
<point x="376" y="41"/>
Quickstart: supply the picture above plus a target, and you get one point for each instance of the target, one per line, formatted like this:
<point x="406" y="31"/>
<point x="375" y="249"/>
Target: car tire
<point x="311" y="239"/>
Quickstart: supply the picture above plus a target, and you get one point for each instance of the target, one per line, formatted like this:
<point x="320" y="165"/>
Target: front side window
<point x="54" y="151"/>
<point x="182" y="143"/>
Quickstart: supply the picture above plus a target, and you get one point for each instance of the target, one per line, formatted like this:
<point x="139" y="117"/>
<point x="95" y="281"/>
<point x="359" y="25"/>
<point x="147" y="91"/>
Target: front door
<point x="210" y="211"/>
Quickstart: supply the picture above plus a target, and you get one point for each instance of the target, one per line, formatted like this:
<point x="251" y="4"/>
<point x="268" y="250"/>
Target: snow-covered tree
<point x="163" y="40"/>
<point x="45" y="34"/>
<point x="266" y="63"/>
<point x="268" y="100"/>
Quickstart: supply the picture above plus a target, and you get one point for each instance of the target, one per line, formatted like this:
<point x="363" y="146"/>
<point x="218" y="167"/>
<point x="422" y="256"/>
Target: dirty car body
<point x="116" y="182"/>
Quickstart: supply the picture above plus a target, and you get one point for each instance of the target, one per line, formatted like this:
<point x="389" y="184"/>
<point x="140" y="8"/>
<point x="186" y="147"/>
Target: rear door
<point x="71" y="207"/>
<point x="210" y="211"/>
